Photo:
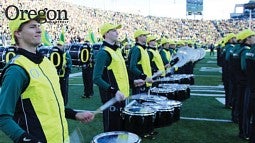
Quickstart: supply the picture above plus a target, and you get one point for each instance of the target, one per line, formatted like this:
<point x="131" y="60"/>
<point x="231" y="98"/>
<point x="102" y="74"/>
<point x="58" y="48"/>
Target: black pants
<point x="87" y="75"/>
<point x="64" y="81"/>
<point x="112" y="119"/>
<point x="242" y="108"/>
<point x="233" y="88"/>
<point x="252" y="110"/>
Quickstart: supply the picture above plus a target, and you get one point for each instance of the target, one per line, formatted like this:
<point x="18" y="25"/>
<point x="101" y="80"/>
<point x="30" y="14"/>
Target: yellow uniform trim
<point x="119" y="70"/>
<point x="145" y="63"/>
<point x="44" y="93"/>
<point x="158" y="60"/>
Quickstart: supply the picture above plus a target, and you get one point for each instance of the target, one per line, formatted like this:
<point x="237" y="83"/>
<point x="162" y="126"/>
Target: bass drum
<point x="6" y="54"/>
<point x="80" y="54"/>
<point x="54" y="54"/>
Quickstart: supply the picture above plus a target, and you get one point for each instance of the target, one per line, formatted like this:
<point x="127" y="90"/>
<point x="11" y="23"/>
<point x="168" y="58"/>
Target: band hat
<point x="107" y="27"/>
<point x="245" y="34"/>
<point x="15" y="24"/>
<point x="140" y="32"/>
<point x="180" y="43"/>
<point x="164" y="41"/>
<point x="228" y="37"/>
<point x="171" y="42"/>
<point x="151" y="38"/>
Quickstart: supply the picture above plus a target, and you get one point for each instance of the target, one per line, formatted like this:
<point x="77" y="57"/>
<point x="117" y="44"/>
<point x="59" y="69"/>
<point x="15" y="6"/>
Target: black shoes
<point x="245" y="137"/>
<point x="87" y="96"/>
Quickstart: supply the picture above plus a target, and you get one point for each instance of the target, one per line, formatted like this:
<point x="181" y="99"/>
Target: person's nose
<point x="38" y="29"/>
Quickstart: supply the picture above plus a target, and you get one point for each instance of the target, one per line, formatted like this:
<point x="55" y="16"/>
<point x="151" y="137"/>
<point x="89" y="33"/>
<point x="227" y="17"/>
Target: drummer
<point x="164" y="52"/>
<point x="110" y="74"/>
<point x="155" y="58"/>
<point x="139" y="62"/>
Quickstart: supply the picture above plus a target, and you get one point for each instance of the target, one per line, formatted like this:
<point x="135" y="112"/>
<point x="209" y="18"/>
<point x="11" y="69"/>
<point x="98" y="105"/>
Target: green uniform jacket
<point x="104" y="77"/>
<point x="135" y="69"/>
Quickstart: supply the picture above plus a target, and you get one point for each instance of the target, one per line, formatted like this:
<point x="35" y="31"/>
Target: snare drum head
<point x="139" y="110"/>
<point x="158" y="107"/>
<point x="173" y="103"/>
<point x="116" y="137"/>
<point x="155" y="98"/>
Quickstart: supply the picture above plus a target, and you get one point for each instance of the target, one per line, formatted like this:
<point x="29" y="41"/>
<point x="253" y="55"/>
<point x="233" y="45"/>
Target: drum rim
<point x="166" y="108"/>
<point x="118" y="132"/>
<point x="139" y="113"/>
<point x="177" y="103"/>
<point x="145" y="97"/>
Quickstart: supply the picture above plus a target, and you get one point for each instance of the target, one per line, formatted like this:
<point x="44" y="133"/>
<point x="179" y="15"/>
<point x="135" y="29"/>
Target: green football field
<point x="203" y="117"/>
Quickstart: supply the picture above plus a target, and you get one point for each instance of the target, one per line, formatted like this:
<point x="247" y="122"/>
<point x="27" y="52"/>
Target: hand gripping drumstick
<point x="158" y="73"/>
<point x="105" y="105"/>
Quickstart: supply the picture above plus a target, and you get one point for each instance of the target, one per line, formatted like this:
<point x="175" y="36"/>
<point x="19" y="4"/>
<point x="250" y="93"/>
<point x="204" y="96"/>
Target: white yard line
<point x="211" y="91"/>
<point x="207" y="95"/>
<point x="75" y="74"/>
<point x="207" y="86"/>
<point x="206" y="119"/>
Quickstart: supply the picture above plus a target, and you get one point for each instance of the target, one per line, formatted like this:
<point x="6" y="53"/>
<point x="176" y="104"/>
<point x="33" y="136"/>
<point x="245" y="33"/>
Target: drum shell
<point x="164" y="114"/>
<point x="80" y="54"/>
<point x="139" y="123"/>
<point x="54" y="54"/>
<point x="182" y="94"/>
<point x="177" y="108"/>
<point x="169" y="94"/>
<point x="6" y="54"/>
<point x="181" y="91"/>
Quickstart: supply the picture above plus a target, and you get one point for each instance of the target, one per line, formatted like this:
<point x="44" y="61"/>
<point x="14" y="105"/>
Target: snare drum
<point x="54" y="54"/>
<point x="139" y="119"/>
<point x="176" y="105"/>
<point x="183" y="78"/>
<point x="164" y="114"/>
<point x="166" y="92"/>
<point x="116" y="137"/>
<point x="182" y="91"/>
<point x="148" y="98"/>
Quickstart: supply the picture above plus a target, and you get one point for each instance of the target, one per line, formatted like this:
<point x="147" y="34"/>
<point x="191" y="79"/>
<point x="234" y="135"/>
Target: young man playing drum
<point x="110" y="74"/>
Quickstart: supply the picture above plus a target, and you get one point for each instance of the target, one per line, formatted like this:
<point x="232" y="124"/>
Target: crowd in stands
<point x="82" y="19"/>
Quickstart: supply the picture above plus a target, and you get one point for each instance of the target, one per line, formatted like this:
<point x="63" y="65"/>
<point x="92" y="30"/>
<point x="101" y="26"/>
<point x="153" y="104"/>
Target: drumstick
<point x="105" y="105"/>
<point x="170" y="70"/>
<point x="158" y="73"/>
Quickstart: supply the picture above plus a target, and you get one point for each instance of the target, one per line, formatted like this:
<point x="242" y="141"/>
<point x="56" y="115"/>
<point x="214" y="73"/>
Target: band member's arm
<point x="102" y="60"/>
<point x="164" y="58"/>
<point x="135" y="58"/>
<point x="10" y="94"/>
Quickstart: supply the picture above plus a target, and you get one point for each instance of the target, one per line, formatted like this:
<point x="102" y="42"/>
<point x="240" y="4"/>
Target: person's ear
<point x="17" y="34"/>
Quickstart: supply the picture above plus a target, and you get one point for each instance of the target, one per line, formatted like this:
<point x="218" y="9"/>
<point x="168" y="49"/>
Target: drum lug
<point x="122" y="115"/>
<point x="153" y="118"/>
<point x="129" y="119"/>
